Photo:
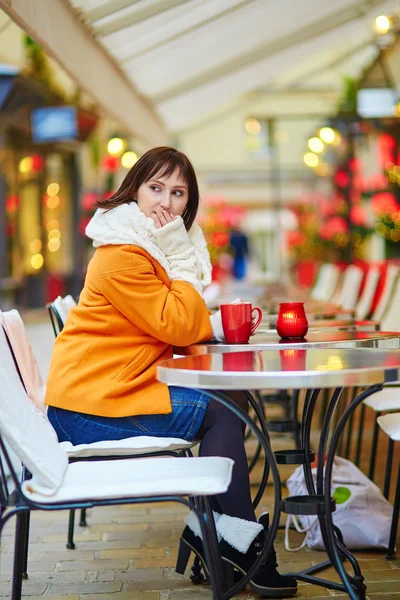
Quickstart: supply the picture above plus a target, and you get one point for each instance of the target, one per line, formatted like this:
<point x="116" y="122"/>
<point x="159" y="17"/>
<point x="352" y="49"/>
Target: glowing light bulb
<point x="25" y="165"/>
<point x="252" y="126"/>
<point x="315" y="144"/>
<point x="129" y="159"/>
<point x="327" y="135"/>
<point x="37" y="261"/>
<point x="115" y="146"/>
<point x="310" y="159"/>
<point x="53" y="189"/>
<point x="382" y="24"/>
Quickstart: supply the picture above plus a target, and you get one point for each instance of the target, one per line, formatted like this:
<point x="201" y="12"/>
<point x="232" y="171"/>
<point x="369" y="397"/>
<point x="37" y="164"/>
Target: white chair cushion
<point x="390" y="425"/>
<point x="386" y="399"/>
<point x="128" y="446"/>
<point x="28" y="434"/>
<point x="138" y="477"/>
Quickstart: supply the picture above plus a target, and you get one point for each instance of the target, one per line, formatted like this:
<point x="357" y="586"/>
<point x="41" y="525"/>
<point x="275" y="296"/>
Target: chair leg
<point x="360" y="432"/>
<point x="388" y="472"/>
<point x="372" y="459"/>
<point x="83" y="522"/>
<point x="211" y="548"/>
<point x="16" y="591"/>
<point x="395" y="521"/>
<point x="353" y="392"/>
<point x="25" y="542"/>
<point x="71" y="523"/>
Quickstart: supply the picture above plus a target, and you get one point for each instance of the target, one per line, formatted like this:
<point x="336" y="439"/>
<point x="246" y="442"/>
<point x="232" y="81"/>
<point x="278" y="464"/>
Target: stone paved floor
<point x="128" y="553"/>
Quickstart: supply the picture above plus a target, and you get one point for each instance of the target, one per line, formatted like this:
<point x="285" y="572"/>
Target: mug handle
<point x="256" y="324"/>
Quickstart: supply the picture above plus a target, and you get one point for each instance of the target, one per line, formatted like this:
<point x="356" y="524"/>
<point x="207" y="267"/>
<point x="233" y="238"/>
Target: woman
<point x="142" y="296"/>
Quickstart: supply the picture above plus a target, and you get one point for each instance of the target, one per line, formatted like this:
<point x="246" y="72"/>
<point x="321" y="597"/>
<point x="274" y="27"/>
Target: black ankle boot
<point x="267" y="581"/>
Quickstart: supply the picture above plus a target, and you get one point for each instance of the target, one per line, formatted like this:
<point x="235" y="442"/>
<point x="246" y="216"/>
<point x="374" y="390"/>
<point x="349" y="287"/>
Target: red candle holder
<point x="292" y="321"/>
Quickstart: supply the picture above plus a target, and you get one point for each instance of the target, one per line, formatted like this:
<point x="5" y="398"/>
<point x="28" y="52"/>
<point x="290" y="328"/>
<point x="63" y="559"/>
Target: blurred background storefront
<point x="291" y="118"/>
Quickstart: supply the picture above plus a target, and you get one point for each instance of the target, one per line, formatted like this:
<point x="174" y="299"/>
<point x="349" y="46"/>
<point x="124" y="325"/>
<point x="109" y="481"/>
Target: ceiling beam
<point x="107" y="9"/>
<point x="184" y="32"/>
<point x="141" y="14"/>
<point x="330" y="65"/>
<point x="305" y="34"/>
<point x="57" y="28"/>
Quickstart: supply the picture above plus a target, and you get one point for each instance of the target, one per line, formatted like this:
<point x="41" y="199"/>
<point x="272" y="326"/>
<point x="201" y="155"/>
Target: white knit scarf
<point x="126" y="224"/>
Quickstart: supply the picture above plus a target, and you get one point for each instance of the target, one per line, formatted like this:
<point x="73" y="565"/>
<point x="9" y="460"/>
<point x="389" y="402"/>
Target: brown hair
<point x="162" y="161"/>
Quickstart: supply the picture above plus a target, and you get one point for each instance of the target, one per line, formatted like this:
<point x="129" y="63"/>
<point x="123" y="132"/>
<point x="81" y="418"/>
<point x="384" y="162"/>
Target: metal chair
<point x="57" y="484"/>
<point x="388" y="399"/>
<point x="390" y="424"/>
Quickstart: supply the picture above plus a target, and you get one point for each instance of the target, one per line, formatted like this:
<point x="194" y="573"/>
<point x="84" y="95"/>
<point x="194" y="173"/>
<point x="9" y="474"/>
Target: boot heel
<point x="229" y="574"/>
<point x="183" y="558"/>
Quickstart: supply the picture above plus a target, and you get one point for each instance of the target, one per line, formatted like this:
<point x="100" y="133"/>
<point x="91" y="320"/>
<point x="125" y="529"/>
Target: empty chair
<point x="364" y="304"/>
<point x="391" y="317"/>
<point x="392" y="275"/>
<point x="327" y="280"/>
<point x="390" y="424"/>
<point x="350" y="289"/>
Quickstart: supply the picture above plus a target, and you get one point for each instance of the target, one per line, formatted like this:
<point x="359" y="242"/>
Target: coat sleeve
<point x="176" y="315"/>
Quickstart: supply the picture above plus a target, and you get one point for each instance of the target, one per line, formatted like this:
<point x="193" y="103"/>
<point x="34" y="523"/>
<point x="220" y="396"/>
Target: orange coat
<point x="128" y="319"/>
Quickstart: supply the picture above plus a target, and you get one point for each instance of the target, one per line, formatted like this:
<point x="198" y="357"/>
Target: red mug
<point x="237" y="321"/>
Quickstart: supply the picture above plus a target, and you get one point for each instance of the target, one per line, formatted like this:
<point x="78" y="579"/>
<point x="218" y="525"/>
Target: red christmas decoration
<point x="88" y="201"/>
<point x="358" y="215"/>
<point x="110" y="163"/>
<point x="37" y="162"/>
<point x="385" y="202"/>
<point x="342" y="179"/>
<point x="220" y="238"/>
<point x="12" y="203"/>
<point x="386" y="149"/>
<point x="333" y="226"/>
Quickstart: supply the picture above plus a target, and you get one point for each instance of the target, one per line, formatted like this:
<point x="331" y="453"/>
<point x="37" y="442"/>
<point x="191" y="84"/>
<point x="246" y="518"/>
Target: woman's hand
<point x="161" y="217"/>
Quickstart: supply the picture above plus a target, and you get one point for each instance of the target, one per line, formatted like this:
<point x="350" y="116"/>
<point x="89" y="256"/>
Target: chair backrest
<point x="392" y="275"/>
<point x="391" y="318"/>
<point x="25" y="431"/>
<point x="26" y="361"/>
<point x="352" y="280"/>
<point x="365" y="302"/>
<point x="327" y="280"/>
<point x="58" y="311"/>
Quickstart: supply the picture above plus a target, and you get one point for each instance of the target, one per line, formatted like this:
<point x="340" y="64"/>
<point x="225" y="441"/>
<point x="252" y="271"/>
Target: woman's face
<point x="163" y="194"/>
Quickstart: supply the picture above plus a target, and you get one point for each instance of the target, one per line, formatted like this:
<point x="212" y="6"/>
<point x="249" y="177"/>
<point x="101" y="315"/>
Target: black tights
<point x="222" y="434"/>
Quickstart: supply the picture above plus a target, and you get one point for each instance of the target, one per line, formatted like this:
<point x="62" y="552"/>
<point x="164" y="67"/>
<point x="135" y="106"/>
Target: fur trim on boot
<point x="239" y="533"/>
<point x="193" y="523"/>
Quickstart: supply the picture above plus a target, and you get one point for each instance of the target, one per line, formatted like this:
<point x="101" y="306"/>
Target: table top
<point x="283" y="369"/>
<point x="324" y="338"/>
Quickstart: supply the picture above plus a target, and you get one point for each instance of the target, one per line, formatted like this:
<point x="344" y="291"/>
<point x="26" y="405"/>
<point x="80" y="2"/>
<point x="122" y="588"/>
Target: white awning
<point x="191" y="57"/>
<point x="188" y="59"/>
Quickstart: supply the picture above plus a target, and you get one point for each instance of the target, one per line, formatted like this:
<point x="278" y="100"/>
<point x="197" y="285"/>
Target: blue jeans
<point x="188" y="410"/>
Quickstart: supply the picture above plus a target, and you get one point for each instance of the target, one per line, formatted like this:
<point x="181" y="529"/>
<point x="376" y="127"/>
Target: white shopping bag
<point x="362" y="513"/>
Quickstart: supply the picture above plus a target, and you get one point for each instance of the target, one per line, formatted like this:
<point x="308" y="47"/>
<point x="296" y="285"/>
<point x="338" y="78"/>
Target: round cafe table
<point x="309" y="369"/>
<point x="324" y="338"/>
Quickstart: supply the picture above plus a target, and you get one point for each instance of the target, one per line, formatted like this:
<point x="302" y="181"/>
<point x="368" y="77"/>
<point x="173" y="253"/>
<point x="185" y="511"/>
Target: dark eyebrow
<point x="183" y="187"/>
